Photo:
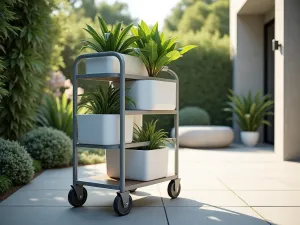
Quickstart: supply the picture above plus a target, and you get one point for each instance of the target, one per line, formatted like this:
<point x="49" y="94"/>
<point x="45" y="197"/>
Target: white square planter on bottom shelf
<point x="142" y="165"/>
<point x="111" y="64"/>
<point x="151" y="95"/>
<point x="103" y="129"/>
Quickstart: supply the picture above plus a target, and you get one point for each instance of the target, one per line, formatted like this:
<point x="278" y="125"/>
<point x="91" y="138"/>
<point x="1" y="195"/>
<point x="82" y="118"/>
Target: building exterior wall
<point x="246" y="35"/>
<point x="290" y="55"/>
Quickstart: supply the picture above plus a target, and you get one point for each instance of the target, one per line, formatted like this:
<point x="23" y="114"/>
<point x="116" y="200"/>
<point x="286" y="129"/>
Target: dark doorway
<point x="269" y="76"/>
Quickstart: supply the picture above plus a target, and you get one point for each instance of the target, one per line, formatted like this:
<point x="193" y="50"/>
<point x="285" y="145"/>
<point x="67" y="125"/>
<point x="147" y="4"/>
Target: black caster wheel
<point x="74" y="201"/>
<point x="119" y="208"/>
<point x="171" y="190"/>
<point x="133" y="190"/>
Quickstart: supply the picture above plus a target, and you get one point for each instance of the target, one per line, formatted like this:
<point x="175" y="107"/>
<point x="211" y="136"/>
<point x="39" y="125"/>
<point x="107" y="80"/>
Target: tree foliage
<point x="195" y="15"/>
<point x="27" y="56"/>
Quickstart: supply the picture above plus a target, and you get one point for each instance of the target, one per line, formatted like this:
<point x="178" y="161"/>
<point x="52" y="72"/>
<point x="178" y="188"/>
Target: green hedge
<point x="205" y="75"/>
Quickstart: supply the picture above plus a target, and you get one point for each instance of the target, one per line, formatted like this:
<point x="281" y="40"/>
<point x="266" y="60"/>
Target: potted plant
<point x="144" y="163"/>
<point x="250" y="113"/>
<point x="102" y="123"/>
<point x="117" y="39"/>
<point x="156" y="52"/>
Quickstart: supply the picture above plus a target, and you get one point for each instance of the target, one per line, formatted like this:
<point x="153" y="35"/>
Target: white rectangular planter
<point x="151" y="95"/>
<point x="143" y="165"/>
<point x="110" y="64"/>
<point x="103" y="129"/>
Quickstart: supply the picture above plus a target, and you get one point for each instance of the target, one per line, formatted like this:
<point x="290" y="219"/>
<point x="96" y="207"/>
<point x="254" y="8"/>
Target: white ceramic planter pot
<point x="151" y="95"/>
<point x="110" y="64"/>
<point x="142" y="165"/>
<point x="249" y="138"/>
<point x="103" y="129"/>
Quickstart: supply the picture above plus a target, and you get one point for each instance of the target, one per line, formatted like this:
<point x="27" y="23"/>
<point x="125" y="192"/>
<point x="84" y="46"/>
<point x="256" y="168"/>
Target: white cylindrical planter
<point x="151" y="95"/>
<point x="249" y="138"/>
<point x="103" y="129"/>
<point x="110" y="64"/>
<point x="142" y="165"/>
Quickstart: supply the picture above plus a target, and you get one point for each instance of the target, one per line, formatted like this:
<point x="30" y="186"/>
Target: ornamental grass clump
<point x="250" y="111"/>
<point x="117" y="39"/>
<point x="155" y="50"/>
<point x="102" y="101"/>
<point x="157" y="138"/>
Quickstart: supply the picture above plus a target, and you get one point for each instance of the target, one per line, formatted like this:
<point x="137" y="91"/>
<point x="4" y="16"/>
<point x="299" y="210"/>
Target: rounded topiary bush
<point x="15" y="162"/>
<point x="190" y="116"/>
<point x="53" y="148"/>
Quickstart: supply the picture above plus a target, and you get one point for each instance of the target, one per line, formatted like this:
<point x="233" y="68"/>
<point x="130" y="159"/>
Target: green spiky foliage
<point x="117" y="39"/>
<point x="102" y="101"/>
<point x="26" y="55"/>
<point x="250" y="111"/>
<point x="5" y="184"/>
<point x="148" y="132"/>
<point x="56" y="112"/>
<point x="154" y="50"/>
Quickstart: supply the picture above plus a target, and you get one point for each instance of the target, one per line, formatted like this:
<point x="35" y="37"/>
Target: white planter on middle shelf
<point x="151" y="95"/>
<point x="142" y="165"/>
<point x="103" y="129"/>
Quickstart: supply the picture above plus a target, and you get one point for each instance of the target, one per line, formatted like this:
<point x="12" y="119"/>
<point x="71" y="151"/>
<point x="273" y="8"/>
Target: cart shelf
<point x="105" y="181"/>
<point x="116" y="77"/>
<point x="127" y="146"/>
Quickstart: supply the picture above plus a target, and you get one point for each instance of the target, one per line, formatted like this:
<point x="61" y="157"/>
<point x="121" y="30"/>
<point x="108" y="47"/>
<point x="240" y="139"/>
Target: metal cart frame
<point x="123" y="185"/>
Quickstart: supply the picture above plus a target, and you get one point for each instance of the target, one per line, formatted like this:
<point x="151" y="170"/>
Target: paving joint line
<point x="244" y="201"/>
<point x="162" y="201"/>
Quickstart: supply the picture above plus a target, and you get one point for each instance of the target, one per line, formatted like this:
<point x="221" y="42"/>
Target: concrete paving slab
<point x="79" y="216"/>
<point x="270" y="198"/>
<point x="200" y="198"/>
<point x="280" y="215"/>
<point x="213" y="216"/>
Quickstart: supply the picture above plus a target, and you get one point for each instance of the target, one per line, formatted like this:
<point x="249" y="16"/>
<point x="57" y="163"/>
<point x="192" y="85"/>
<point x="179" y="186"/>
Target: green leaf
<point x="187" y="48"/>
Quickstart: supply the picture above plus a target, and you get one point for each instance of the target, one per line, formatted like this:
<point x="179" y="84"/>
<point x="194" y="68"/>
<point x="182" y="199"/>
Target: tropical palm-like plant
<point x="154" y="50"/>
<point x="102" y="101"/>
<point x="250" y="110"/>
<point x="57" y="113"/>
<point x="148" y="132"/>
<point x="117" y="39"/>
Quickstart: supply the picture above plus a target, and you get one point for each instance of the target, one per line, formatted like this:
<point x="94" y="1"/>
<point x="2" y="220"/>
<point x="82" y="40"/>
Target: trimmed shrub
<point x="190" y="116"/>
<point x="36" y="165"/>
<point x="53" y="148"/>
<point x="16" y="163"/>
<point x="5" y="184"/>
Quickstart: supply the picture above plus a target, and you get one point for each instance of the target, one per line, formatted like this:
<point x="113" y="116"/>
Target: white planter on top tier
<point x="250" y="138"/>
<point x="151" y="95"/>
<point x="111" y="64"/>
<point x="142" y="165"/>
<point x="103" y="129"/>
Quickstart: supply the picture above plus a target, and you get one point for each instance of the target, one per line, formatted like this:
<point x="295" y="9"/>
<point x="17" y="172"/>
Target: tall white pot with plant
<point x="250" y="113"/>
<point x="102" y="125"/>
<point x="156" y="52"/>
<point x="145" y="163"/>
<point x="117" y="39"/>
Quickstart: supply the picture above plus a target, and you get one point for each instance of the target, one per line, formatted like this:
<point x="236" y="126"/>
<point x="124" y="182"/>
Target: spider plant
<point x="250" y="110"/>
<point x="154" y="50"/>
<point x="57" y="113"/>
<point x="102" y="101"/>
<point x="117" y="39"/>
<point x="148" y="132"/>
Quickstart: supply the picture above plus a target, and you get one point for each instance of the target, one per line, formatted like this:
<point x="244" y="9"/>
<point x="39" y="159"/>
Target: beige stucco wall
<point x="247" y="44"/>
<point x="288" y="16"/>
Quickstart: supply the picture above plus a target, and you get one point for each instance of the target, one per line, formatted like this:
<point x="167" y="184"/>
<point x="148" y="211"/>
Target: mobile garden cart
<point x="123" y="201"/>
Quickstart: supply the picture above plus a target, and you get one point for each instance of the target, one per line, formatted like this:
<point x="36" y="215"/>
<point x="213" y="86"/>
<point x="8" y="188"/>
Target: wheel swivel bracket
<point x="124" y="197"/>
<point x="78" y="188"/>
<point x="176" y="186"/>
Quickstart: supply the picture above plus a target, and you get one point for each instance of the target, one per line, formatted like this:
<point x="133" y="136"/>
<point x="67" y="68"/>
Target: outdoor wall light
<point x="275" y="45"/>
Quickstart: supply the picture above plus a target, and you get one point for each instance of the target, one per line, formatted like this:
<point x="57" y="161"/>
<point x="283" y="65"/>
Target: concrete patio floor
<point x="219" y="187"/>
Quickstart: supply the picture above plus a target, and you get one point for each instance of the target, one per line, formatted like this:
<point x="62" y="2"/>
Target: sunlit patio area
<point x="231" y="186"/>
